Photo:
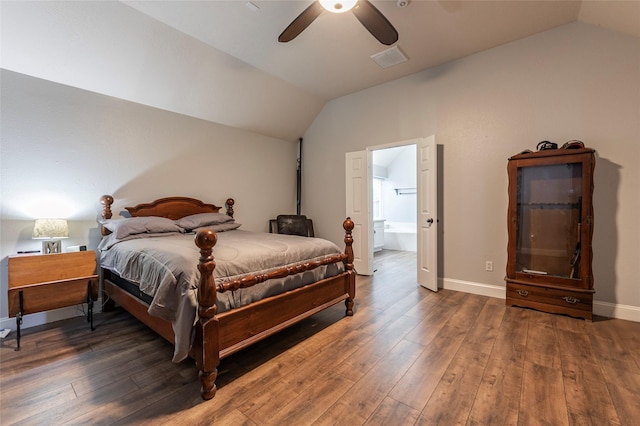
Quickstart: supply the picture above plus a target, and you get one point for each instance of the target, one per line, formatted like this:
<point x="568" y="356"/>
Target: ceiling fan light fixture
<point x="338" y="6"/>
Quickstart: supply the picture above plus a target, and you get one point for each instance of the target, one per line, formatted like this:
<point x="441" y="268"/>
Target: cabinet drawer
<point x="554" y="300"/>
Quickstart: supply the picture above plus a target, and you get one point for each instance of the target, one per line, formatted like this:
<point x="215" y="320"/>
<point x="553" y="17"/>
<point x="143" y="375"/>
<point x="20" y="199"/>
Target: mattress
<point x="164" y="269"/>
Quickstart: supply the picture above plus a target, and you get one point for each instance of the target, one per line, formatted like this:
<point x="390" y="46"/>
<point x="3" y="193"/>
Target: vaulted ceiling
<point x="332" y="57"/>
<point x="221" y="61"/>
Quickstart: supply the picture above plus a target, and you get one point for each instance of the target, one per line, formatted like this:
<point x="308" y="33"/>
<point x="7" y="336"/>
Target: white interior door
<point x="427" y="210"/>
<point x="358" y="202"/>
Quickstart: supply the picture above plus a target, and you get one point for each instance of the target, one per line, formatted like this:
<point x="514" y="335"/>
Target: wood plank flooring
<point x="407" y="357"/>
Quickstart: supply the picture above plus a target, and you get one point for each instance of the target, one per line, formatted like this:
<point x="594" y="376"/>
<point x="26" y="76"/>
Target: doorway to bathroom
<point x="419" y="213"/>
<point x="394" y="202"/>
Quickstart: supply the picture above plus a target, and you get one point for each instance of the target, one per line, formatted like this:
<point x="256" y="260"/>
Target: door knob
<point x="430" y="221"/>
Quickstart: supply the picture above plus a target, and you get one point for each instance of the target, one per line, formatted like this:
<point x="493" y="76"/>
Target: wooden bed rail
<point x="251" y="280"/>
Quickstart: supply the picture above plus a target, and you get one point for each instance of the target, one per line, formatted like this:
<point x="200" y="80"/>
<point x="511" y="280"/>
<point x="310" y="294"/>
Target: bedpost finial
<point x="230" y="202"/>
<point x="206" y="239"/>
<point x="348" y="225"/>
<point x="106" y="200"/>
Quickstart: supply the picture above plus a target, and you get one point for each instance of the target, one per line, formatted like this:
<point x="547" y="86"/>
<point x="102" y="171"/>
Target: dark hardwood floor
<point x="407" y="357"/>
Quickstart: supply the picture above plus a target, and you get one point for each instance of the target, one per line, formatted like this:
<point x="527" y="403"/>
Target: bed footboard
<point x="211" y="342"/>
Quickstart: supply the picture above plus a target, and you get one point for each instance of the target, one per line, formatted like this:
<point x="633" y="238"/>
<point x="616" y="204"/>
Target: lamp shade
<point x="50" y="228"/>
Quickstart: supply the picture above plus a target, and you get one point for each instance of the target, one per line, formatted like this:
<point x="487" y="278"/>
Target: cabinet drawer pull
<point x="571" y="300"/>
<point x="523" y="293"/>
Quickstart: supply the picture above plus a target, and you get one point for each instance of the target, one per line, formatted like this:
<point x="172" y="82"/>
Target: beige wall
<point x="110" y="48"/>
<point x="62" y="148"/>
<point x="574" y="82"/>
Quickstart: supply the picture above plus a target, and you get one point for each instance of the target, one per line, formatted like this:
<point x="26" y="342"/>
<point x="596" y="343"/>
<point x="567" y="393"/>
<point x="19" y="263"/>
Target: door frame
<point x="434" y="282"/>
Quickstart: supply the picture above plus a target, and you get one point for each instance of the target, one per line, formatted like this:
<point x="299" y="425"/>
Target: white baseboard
<point x="605" y="309"/>
<point x="615" y="310"/>
<point x="473" y="288"/>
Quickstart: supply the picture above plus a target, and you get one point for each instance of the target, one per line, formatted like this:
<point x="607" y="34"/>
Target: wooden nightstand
<point x="50" y="281"/>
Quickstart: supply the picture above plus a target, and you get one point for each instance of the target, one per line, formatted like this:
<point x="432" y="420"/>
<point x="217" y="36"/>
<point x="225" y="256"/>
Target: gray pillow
<point x="202" y="219"/>
<point x="140" y="225"/>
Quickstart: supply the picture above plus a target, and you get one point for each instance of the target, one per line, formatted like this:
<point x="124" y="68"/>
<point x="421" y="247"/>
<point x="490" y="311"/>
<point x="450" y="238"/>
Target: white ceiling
<point x="384" y="157"/>
<point x="331" y="58"/>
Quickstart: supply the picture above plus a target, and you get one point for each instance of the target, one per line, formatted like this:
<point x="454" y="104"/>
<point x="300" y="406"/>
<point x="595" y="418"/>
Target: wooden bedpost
<point x="106" y="201"/>
<point x="348" y="226"/>
<point x="230" y="202"/>
<point x="206" y="343"/>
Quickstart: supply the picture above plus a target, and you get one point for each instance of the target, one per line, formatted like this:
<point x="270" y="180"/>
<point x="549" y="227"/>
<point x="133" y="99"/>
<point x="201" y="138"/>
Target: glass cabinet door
<point x="549" y="211"/>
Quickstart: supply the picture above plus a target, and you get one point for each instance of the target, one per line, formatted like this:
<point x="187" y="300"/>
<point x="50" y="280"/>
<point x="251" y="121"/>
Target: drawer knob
<point x="571" y="300"/>
<point x="523" y="293"/>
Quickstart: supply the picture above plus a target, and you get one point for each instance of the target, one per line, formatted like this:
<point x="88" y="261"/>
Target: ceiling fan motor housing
<point x="338" y="6"/>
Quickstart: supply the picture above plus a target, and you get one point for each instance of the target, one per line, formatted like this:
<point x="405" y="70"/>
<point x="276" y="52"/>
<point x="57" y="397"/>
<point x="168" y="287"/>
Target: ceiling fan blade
<point x="301" y="22"/>
<point x="375" y="22"/>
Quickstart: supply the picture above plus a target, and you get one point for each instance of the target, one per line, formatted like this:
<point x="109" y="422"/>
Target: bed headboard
<point x="169" y="207"/>
<point x="172" y="208"/>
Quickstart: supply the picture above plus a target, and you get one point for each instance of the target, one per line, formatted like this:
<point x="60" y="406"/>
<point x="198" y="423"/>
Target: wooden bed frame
<point x="219" y="335"/>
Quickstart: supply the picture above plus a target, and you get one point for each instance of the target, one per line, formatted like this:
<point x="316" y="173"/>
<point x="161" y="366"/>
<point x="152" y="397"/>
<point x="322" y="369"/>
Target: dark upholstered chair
<point x="292" y="224"/>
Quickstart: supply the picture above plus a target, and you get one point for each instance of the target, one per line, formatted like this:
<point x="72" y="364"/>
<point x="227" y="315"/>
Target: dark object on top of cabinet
<point x="550" y="226"/>
<point x="543" y="145"/>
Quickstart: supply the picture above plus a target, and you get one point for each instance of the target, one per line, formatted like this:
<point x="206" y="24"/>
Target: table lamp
<point x="50" y="230"/>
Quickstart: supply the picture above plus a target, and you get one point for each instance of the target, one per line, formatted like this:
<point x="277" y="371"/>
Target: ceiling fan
<point x="368" y="15"/>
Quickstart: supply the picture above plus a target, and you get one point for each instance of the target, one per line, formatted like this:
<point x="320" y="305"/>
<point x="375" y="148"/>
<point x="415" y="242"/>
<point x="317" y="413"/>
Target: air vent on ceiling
<point x="390" y="57"/>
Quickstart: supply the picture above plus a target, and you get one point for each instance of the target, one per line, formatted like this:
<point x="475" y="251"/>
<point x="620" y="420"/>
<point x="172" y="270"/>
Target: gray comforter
<point x="165" y="268"/>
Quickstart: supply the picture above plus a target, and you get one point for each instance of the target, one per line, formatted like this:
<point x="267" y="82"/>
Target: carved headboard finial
<point x="106" y="201"/>
<point x="230" y="202"/>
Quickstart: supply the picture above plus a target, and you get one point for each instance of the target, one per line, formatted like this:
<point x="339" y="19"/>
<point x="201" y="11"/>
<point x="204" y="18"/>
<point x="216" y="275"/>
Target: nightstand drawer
<point x="51" y="281"/>
<point x="555" y="300"/>
<point x="47" y="296"/>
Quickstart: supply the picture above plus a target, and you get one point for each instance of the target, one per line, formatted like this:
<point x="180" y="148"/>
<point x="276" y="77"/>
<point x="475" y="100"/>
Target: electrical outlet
<point x="488" y="266"/>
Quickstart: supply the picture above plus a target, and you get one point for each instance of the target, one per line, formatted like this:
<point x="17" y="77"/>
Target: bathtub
<point x="400" y="236"/>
